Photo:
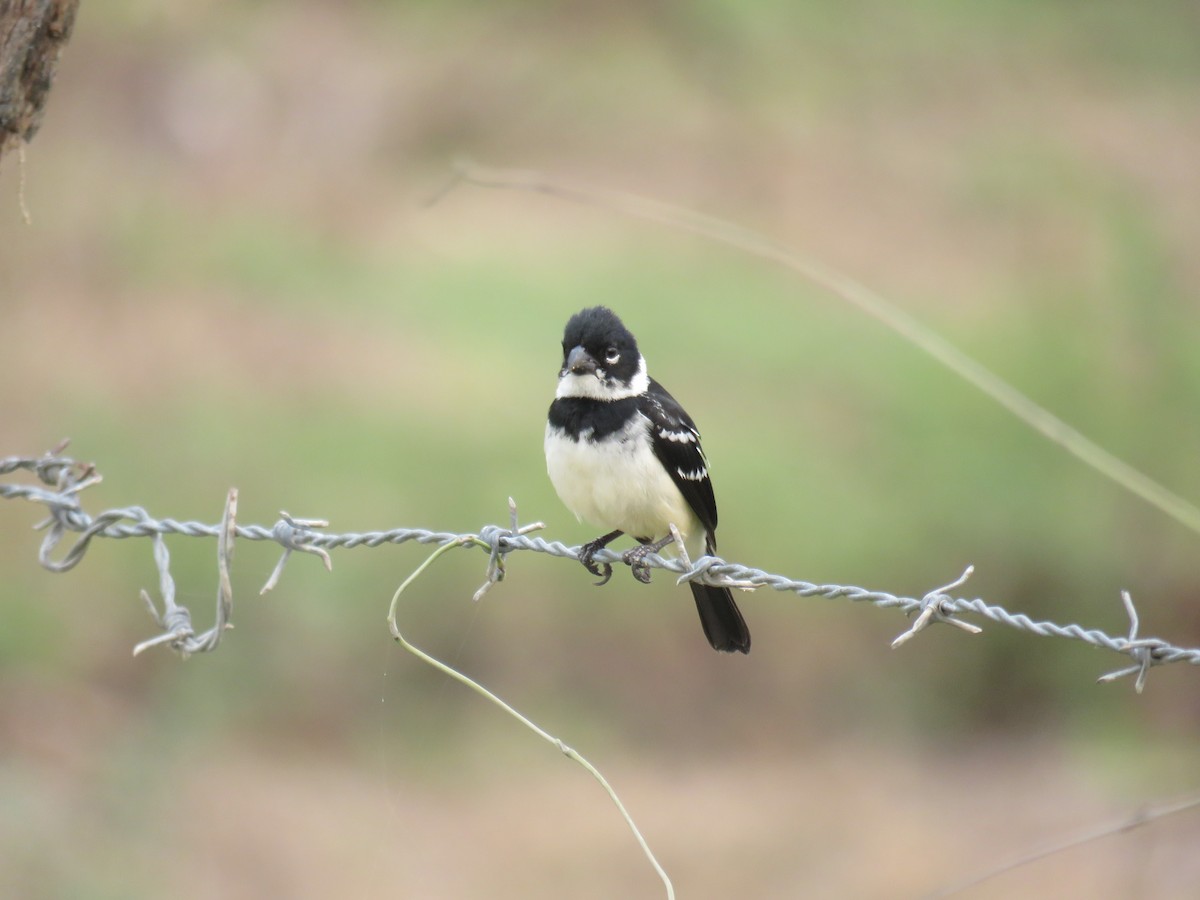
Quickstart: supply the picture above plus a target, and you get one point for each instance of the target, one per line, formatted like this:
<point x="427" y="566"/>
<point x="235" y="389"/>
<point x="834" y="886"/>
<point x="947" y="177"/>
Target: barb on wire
<point x="175" y="620"/>
<point x="1138" y="649"/>
<point x="496" y="541"/>
<point x="63" y="479"/>
<point x="932" y="610"/>
<point x="293" y="533"/>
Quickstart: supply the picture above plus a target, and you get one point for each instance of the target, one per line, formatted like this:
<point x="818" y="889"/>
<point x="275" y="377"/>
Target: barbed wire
<point x="65" y="479"/>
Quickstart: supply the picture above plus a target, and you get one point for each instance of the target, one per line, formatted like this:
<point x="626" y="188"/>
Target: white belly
<point x="617" y="484"/>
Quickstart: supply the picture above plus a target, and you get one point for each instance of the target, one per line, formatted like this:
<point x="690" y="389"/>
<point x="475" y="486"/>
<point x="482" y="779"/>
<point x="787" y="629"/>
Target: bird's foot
<point x="603" y="571"/>
<point x="636" y="558"/>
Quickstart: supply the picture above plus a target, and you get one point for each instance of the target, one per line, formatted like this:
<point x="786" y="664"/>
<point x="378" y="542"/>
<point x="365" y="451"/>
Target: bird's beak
<point x="580" y="362"/>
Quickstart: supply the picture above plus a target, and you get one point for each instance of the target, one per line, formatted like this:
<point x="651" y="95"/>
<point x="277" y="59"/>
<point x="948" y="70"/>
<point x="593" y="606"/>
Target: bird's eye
<point x="611" y="355"/>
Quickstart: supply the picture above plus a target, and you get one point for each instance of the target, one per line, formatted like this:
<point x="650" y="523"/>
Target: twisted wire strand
<point x="64" y="480"/>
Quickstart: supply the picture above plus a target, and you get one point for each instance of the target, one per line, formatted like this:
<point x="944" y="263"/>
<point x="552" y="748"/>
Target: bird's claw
<point x="603" y="571"/>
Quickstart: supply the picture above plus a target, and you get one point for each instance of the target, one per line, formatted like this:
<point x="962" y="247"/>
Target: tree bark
<point x="32" y="35"/>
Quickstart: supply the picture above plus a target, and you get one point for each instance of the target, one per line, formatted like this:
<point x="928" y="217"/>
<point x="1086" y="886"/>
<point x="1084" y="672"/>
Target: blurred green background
<point x="233" y="277"/>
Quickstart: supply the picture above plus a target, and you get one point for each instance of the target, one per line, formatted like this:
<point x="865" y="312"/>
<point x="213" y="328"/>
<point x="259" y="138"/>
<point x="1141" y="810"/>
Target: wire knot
<point x="175" y="622"/>
<point x="499" y="542"/>
<point x="1140" y="650"/>
<point x="62" y="472"/>
<point x="702" y="570"/>
<point x="695" y="571"/>
<point x="68" y="478"/>
<point x="293" y="533"/>
<point x="497" y="538"/>
<point x="936" y="607"/>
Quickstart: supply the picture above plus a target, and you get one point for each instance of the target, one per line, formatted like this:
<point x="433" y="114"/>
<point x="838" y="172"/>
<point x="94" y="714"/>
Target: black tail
<point x="723" y="623"/>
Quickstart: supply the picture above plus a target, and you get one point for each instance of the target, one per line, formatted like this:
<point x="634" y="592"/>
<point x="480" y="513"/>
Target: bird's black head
<point x="600" y="358"/>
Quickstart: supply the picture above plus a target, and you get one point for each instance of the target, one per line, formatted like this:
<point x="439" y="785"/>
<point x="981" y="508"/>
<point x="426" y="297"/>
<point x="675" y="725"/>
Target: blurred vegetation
<point x="232" y="278"/>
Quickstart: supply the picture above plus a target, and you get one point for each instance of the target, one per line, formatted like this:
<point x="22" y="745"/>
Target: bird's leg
<point x="603" y="571"/>
<point x="634" y="558"/>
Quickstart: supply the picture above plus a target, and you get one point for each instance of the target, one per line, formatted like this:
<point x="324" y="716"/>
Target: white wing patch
<point x="679" y="437"/>
<point x="694" y="474"/>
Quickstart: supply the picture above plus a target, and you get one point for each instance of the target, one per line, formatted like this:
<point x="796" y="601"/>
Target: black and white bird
<point x="624" y="455"/>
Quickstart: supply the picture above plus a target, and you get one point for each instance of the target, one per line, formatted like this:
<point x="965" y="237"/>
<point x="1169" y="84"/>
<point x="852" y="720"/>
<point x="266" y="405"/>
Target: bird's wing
<point x="676" y="443"/>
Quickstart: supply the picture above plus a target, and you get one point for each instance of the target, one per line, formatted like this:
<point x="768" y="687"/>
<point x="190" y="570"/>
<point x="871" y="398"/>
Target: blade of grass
<point x="470" y="540"/>
<point x="1023" y="408"/>
<point x="1137" y="820"/>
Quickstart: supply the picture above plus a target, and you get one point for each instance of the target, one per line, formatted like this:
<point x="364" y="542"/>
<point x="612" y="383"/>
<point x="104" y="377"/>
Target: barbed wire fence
<point x="62" y="481"/>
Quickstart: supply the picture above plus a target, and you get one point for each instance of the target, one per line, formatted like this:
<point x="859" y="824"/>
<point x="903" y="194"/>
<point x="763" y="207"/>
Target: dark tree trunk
<point x="32" y="34"/>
